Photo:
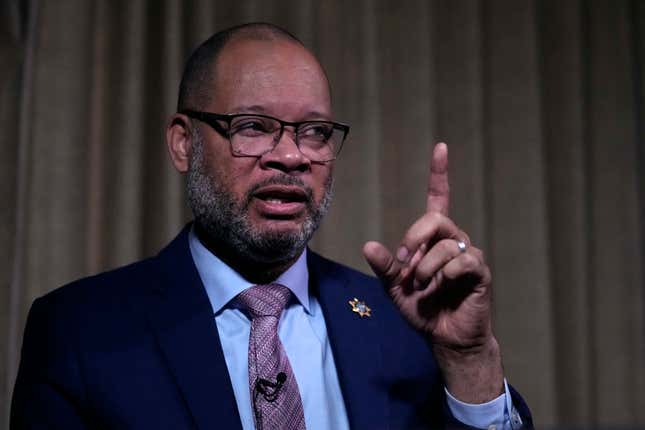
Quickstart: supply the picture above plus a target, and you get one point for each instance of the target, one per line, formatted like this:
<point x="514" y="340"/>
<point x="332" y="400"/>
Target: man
<point x="191" y="338"/>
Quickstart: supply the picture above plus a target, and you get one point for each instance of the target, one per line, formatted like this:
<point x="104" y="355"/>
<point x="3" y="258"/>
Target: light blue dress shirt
<point x="303" y="334"/>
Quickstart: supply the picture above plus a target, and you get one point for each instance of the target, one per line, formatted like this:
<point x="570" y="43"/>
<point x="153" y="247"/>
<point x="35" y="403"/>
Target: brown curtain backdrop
<point x="542" y="104"/>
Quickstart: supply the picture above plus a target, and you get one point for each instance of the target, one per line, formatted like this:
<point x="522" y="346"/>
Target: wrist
<point x="472" y="375"/>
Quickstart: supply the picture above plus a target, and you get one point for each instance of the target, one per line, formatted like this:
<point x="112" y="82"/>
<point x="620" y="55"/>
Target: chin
<point x="280" y="240"/>
<point x="282" y="226"/>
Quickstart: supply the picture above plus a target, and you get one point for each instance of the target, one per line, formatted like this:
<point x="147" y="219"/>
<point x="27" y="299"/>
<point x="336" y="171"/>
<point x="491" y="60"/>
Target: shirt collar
<point x="223" y="283"/>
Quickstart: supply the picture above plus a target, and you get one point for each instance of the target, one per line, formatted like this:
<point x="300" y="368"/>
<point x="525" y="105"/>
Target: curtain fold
<point x="563" y="119"/>
<point x="541" y="104"/>
<point x="16" y="57"/>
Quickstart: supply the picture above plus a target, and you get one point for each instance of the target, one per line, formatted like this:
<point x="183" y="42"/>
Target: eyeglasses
<point x="254" y="134"/>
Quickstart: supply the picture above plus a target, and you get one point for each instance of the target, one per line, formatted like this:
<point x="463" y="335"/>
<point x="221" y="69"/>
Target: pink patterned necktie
<point x="274" y="391"/>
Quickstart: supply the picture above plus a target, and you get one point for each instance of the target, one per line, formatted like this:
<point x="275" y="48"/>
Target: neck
<point x="253" y="270"/>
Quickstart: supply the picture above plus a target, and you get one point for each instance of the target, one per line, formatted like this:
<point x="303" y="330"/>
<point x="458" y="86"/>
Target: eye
<point x="252" y="126"/>
<point x="319" y="131"/>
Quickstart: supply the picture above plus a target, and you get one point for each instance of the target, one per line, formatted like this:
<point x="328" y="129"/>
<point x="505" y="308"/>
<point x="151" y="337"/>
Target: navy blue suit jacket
<point x="137" y="347"/>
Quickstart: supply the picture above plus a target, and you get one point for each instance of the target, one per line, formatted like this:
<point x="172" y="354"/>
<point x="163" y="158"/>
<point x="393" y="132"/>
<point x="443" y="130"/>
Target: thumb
<point x="382" y="262"/>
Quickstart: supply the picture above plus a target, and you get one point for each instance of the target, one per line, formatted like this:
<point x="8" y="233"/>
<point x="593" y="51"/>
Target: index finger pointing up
<point x="438" y="187"/>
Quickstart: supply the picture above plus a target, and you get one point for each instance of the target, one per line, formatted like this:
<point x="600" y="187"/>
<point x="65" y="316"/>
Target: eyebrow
<point x="262" y="110"/>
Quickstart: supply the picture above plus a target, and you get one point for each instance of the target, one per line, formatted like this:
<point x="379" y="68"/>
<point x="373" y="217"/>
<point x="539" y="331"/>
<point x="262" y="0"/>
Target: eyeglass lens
<point x="255" y="135"/>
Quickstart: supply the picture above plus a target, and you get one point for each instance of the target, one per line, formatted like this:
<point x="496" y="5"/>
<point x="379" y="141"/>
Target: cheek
<point x="233" y="174"/>
<point x="322" y="179"/>
<point x="241" y="172"/>
<point x="237" y="182"/>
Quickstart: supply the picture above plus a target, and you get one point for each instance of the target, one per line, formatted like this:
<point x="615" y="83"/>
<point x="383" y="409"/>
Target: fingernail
<point x="402" y="254"/>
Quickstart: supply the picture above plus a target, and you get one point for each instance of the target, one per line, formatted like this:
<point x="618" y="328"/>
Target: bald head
<point x="198" y="82"/>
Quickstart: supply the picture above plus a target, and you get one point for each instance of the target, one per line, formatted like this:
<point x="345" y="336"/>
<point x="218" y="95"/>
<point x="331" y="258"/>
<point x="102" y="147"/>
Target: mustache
<point x="282" y="180"/>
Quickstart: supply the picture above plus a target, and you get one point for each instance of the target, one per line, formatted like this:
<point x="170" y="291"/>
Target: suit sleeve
<point x="48" y="392"/>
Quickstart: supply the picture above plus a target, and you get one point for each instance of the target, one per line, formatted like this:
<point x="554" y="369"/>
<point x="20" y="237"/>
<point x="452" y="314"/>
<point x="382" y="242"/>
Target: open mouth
<point x="282" y="201"/>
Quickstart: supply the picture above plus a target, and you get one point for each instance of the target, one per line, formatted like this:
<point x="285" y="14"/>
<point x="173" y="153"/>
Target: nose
<point x="285" y="155"/>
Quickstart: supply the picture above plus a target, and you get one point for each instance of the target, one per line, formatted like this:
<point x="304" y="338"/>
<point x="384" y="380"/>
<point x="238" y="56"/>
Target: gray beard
<point x="226" y="221"/>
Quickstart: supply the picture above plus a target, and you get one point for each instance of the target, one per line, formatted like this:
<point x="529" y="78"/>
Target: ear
<point x="179" y="141"/>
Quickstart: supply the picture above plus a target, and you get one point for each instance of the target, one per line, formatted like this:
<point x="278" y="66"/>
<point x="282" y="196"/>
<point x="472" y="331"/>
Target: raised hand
<point x="441" y="284"/>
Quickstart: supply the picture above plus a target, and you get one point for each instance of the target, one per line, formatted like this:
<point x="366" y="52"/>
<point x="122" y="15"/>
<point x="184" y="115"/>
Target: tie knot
<point x="265" y="300"/>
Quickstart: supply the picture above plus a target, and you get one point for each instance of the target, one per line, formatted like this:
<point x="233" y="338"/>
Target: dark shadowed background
<point x="542" y="104"/>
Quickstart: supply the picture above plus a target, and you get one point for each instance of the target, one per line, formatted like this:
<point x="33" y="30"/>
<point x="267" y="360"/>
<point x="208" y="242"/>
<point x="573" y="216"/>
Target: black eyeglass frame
<point x="212" y="119"/>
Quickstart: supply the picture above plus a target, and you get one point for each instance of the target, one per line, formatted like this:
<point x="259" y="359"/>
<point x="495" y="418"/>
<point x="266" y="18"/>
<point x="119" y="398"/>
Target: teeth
<point x="275" y="201"/>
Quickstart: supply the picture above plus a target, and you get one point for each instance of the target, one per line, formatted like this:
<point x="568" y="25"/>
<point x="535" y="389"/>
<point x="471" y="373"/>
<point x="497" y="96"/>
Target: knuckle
<point x="445" y="246"/>
<point x="423" y="228"/>
<point x="413" y="234"/>
<point x="423" y="275"/>
<point x="425" y="269"/>
<point x="487" y="277"/>
<point x="470" y="262"/>
<point x="480" y="255"/>
<point x="436" y="217"/>
<point x="433" y="218"/>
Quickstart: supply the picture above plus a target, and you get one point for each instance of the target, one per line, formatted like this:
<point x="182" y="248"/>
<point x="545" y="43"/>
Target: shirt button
<point x="516" y="421"/>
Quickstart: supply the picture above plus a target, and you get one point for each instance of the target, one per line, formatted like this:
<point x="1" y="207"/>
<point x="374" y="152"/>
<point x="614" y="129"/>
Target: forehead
<point x="275" y="77"/>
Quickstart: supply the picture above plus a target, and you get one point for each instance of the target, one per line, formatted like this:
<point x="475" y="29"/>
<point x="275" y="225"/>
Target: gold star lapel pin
<point x="360" y="308"/>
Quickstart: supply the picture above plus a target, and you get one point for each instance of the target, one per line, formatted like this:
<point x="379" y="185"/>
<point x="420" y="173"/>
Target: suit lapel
<point x="182" y="319"/>
<point x="355" y="341"/>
